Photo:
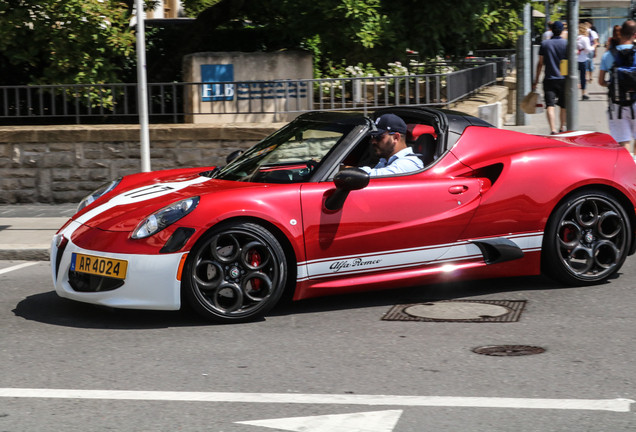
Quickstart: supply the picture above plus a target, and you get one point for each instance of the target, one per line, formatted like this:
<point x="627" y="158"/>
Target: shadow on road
<point x="48" y="308"/>
<point x="417" y="294"/>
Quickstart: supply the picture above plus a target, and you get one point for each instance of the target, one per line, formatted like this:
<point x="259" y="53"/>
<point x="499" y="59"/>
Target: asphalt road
<point x="319" y="357"/>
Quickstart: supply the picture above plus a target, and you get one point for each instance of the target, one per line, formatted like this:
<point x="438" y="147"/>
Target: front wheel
<point x="236" y="273"/>
<point x="587" y="239"/>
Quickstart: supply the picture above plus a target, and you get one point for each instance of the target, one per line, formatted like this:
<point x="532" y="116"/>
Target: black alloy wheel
<point x="587" y="239"/>
<point x="236" y="273"/>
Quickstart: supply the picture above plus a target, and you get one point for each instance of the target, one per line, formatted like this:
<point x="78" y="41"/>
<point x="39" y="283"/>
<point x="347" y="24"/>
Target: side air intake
<point x="498" y="250"/>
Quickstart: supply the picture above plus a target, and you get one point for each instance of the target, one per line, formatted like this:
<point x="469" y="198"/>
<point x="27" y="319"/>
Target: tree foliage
<point x="375" y="31"/>
<point x="90" y="41"/>
<point x="64" y="41"/>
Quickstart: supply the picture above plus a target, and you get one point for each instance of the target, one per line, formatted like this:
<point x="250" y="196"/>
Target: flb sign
<point x="217" y="74"/>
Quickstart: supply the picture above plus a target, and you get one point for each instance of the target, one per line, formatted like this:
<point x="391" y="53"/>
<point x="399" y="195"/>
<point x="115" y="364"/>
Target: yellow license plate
<point x="99" y="266"/>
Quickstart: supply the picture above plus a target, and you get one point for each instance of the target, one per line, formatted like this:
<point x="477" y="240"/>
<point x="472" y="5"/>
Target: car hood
<point x="140" y="195"/>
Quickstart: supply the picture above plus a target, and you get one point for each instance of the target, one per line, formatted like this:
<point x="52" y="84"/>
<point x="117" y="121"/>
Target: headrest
<point x="417" y="130"/>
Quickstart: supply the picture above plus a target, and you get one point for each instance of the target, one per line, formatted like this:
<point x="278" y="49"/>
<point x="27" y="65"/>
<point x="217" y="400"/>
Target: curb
<point x="39" y="254"/>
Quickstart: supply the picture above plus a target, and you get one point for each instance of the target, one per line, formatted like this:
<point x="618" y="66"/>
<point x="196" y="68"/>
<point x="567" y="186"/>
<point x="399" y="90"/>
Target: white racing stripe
<point x="405" y="258"/>
<point x="18" y="267"/>
<point x="572" y="134"/>
<point x="617" y="405"/>
<point x="141" y="194"/>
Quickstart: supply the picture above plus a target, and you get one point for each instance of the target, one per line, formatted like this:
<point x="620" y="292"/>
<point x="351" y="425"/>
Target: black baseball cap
<point x="389" y="123"/>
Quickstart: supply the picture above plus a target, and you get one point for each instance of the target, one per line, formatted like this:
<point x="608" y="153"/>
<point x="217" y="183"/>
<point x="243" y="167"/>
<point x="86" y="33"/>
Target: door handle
<point x="457" y="189"/>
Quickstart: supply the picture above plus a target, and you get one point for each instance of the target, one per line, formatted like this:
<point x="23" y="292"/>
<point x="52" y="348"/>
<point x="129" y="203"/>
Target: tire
<point x="235" y="273"/>
<point x="587" y="239"/>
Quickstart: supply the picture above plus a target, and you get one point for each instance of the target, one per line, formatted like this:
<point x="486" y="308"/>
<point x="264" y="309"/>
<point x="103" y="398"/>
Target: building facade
<point x="605" y="14"/>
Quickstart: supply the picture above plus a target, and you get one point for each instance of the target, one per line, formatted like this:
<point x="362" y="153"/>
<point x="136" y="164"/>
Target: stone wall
<point x="63" y="164"/>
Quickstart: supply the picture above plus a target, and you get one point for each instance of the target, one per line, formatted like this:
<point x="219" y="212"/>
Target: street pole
<point x="142" y="89"/>
<point x="547" y="15"/>
<point x="524" y="66"/>
<point x="572" y="80"/>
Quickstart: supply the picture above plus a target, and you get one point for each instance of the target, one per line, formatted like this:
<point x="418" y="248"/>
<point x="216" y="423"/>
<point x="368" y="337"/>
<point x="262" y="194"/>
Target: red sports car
<point x="293" y="214"/>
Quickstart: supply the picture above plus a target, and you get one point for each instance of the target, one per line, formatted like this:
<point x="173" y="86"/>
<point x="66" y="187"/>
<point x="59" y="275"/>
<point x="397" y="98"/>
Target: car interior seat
<point x="423" y="140"/>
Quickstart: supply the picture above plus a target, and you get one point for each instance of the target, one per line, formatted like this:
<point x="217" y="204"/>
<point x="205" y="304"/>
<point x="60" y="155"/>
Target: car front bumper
<point x="151" y="280"/>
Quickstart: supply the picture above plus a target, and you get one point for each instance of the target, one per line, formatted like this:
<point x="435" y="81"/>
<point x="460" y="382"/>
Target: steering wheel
<point x="311" y="166"/>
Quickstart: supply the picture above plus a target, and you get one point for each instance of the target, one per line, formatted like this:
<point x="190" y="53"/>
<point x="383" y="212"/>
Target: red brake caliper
<point x="255" y="259"/>
<point x="567" y="236"/>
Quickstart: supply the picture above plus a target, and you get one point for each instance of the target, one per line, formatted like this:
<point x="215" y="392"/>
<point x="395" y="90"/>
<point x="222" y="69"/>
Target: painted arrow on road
<point x="374" y="421"/>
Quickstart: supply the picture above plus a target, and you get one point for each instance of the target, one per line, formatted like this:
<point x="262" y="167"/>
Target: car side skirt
<point x="513" y="255"/>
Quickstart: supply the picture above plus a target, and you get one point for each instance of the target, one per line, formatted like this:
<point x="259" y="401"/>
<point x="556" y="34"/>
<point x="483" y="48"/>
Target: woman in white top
<point x="584" y="47"/>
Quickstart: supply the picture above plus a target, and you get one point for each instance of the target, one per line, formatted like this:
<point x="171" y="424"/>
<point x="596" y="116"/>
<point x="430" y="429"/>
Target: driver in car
<point x="389" y="142"/>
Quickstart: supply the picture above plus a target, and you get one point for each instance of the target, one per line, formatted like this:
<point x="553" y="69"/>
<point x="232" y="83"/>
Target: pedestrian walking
<point x="551" y="53"/>
<point x="548" y="33"/>
<point x="615" y="39"/>
<point x="584" y="48"/>
<point x="621" y="118"/>
<point x="593" y="35"/>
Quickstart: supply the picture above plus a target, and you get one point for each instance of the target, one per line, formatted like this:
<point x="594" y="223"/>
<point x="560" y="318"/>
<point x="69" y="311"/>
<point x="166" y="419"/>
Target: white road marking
<point x="618" y="405"/>
<point x="375" y="421"/>
<point x="18" y="267"/>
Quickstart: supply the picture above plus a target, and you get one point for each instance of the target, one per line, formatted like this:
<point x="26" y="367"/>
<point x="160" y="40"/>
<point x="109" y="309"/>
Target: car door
<point x="391" y="224"/>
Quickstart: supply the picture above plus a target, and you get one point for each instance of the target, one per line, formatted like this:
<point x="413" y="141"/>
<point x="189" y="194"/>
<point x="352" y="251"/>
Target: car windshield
<point x="290" y="155"/>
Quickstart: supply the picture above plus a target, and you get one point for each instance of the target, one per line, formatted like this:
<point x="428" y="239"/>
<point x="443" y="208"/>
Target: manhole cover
<point x="509" y="350"/>
<point x="458" y="311"/>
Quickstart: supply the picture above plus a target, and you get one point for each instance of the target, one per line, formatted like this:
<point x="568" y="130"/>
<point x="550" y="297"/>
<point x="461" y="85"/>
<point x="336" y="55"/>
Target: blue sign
<point x="217" y="74"/>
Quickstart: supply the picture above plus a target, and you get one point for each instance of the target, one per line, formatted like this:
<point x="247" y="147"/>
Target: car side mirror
<point x="236" y="153"/>
<point x="347" y="180"/>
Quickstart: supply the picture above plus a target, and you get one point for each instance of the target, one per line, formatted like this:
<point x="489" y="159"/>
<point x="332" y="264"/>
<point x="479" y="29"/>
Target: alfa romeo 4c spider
<point x="294" y="216"/>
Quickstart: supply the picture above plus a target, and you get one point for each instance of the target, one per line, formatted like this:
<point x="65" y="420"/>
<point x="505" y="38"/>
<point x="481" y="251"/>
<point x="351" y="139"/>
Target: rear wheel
<point x="236" y="273"/>
<point x="587" y="239"/>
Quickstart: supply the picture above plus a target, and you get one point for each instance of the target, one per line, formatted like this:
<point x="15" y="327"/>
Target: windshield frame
<point x="359" y="124"/>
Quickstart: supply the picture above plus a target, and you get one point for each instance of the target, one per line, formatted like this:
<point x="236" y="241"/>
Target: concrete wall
<point x="255" y="102"/>
<point x="63" y="164"/>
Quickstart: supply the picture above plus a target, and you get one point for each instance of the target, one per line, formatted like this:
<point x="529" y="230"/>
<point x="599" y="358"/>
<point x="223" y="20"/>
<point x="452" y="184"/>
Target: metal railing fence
<point x="180" y="102"/>
<point x="504" y="64"/>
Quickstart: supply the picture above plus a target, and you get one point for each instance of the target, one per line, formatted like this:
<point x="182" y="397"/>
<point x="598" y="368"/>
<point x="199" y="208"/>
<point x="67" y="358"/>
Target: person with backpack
<point x="620" y="63"/>
<point x="551" y="53"/>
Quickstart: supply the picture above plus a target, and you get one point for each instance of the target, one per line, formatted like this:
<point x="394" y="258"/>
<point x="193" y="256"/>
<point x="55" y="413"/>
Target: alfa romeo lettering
<point x="357" y="262"/>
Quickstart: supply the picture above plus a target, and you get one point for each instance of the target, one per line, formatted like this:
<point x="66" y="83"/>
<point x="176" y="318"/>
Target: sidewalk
<point x="592" y="113"/>
<point x="26" y="230"/>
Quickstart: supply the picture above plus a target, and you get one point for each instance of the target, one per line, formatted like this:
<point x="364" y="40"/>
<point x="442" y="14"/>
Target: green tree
<point x="64" y="41"/>
<point x="90" y="41"/>
<point x="364" y="31"/>
<point x="454" y="27"/>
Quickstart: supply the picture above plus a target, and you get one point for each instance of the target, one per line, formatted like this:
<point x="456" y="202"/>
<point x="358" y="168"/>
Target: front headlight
<point x="164" y="217"/>
<point x="103" y="190"/>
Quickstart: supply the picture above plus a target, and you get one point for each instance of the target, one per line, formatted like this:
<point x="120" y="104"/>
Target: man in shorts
<point x="622" y="124"/>
<point x="551" y="53"/>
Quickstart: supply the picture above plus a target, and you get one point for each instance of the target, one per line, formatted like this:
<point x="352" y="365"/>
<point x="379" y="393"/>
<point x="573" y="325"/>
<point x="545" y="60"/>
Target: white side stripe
<point x="404" y="258"/>
<point x="617" y="405"/>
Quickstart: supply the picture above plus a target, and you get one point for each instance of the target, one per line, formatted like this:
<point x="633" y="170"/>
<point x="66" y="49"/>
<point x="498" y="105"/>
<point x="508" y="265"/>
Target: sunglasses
<point x="380" y="136"/>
